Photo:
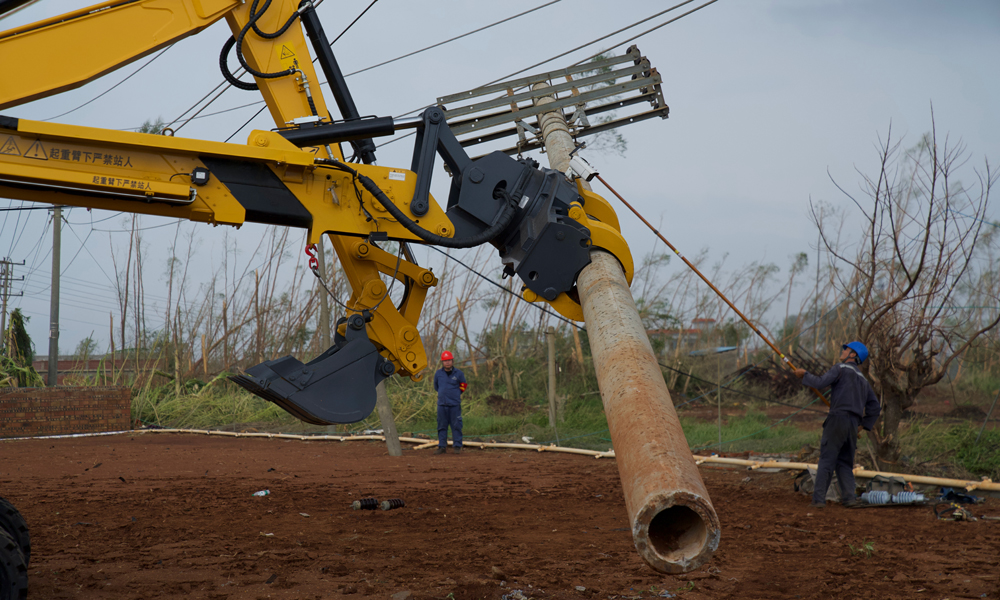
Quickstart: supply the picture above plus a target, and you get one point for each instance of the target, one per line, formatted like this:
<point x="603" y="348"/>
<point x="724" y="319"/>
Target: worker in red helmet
<point x="449" y="383"/>
<point x="853" y="406"/>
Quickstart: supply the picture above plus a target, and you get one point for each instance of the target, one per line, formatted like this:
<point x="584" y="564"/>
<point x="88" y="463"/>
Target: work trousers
<point x="450" y="416"/>
<point x="836" y="454"/>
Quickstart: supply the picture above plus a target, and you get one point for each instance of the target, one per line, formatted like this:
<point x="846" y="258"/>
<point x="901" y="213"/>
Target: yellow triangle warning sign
<point x="286" y="52"/>
<point x="10" y="147"/>
<point x="36" y="150"/>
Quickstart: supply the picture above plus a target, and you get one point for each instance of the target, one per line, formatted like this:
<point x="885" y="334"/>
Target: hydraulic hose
<point x="283" y="29"/>
<point x="506" y="216"/>
<point x="224" y="67"/>
<point x="251" y="24"/>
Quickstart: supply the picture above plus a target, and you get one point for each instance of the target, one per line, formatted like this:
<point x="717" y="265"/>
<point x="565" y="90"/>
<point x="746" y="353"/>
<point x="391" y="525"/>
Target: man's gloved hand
<point x="463" y="386"/>
<point x="800" y="373"/>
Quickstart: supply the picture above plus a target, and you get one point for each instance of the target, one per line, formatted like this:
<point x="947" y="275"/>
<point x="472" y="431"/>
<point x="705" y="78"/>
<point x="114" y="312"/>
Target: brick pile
<point x="63" y="410"/>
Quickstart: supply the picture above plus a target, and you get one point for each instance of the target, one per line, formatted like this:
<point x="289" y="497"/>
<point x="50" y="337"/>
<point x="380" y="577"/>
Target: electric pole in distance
<point x="6" y="276"/>
<point x="54" y="298"/>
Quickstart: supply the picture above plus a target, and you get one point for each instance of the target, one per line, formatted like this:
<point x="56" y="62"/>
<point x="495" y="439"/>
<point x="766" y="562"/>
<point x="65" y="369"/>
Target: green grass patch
<point x="225" y="406"/>
<point x="926" y="441"/>
<point x="754" y="431"/>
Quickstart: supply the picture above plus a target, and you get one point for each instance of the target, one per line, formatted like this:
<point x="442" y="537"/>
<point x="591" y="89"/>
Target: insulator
<point x="879" y="497"/>
<point x="908" y="497"/>
<point x="393" y="503"/>
<point x="365" y="504"/>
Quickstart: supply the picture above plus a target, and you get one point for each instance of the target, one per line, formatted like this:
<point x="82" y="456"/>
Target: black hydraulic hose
<point x="431" y="238"/>
<point x="254" y="16"/>
<point x="283" y="29"/>
<point x="224" y="67"/>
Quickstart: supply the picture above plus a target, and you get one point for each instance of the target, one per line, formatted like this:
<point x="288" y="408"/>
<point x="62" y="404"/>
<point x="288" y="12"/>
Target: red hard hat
<point x="447" y="356"/>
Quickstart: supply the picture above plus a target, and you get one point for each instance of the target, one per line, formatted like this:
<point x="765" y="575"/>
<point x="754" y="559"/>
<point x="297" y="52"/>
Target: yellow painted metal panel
<point x="285" y="96"/>
<point x="70" y="50"/>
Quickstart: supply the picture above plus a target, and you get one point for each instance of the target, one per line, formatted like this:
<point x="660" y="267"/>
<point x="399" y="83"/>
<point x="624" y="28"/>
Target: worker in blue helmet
<point x="853" y="406"/>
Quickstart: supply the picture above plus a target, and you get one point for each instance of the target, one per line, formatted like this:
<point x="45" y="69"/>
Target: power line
<point x="719" y="385"/>
<point x="138" y="229"/>
<point x="147" y="63"/>
<point x="233" y="134"/>
<point x="92" y="221"/>
<point x="592" y="42"/>
<point x="17" y="236"/>
<point x="604" y="37"/>
<point x="346" y="29"/>
<point x="491" y="282"/>
<point x="457" y="37"/>
<point x="409" y="54"/>
<point x="46" y="207"/>
<point x="381" y="64"/>
<point x="648" y="31"/>
<point x="210" y="92"/>
<point x="356" y="19"/>
<point x="229" y="85"/>
<point x="45" y="316"/>
<point x="206" y="115"/>
<point x="574" y="324"/>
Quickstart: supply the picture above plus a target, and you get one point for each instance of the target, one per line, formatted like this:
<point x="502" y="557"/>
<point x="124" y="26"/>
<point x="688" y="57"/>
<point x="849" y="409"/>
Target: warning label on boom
<point x="36" y="150"/>
<point x="10" y="147"/>
<point x="287" y="58"/>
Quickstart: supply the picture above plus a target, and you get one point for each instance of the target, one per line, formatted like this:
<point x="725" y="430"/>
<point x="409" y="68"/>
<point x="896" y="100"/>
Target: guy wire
<point x="709" y="283"/>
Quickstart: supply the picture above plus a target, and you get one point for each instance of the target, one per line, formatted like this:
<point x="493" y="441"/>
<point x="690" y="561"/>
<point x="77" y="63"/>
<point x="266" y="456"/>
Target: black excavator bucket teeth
<point x="337" y="386"/>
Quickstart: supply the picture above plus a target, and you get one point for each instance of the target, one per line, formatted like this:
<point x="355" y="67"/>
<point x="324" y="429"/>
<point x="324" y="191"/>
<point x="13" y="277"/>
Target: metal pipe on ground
<point x="674" y="526"/>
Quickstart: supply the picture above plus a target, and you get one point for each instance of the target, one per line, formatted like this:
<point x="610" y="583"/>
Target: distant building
<point x="687" y="338"/>
<point x="70" y="365"/>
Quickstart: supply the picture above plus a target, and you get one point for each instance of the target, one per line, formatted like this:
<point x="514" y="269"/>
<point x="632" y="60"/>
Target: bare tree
<point x="911" y="281"/>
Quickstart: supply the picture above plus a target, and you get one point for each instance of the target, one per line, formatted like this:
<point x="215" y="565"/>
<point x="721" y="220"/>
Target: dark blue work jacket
<point x="850" y="393"/>
<point x="446" y="385"/>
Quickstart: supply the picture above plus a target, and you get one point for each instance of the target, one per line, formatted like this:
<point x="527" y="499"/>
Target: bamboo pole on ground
<point x="674" y="526"/>
<point x="984" y="485"/>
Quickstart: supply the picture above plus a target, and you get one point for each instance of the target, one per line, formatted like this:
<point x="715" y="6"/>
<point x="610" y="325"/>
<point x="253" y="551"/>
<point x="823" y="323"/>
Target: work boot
<point x="440" y="450"/>
<point x="853" y="502"/>
<point x="458" y="450"/>
<point x="815" y="504"/>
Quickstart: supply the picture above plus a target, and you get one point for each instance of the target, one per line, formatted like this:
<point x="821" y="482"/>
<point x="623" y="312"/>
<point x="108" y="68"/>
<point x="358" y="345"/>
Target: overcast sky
<point x="767" y="97"/>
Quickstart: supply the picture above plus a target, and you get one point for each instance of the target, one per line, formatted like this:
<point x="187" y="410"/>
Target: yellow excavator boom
<point x="542" y="225"/>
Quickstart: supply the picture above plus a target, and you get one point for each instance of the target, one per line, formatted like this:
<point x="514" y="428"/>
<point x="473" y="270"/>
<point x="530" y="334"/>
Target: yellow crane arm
<point x="67" y="51"/>
<point x="542" y="225"/>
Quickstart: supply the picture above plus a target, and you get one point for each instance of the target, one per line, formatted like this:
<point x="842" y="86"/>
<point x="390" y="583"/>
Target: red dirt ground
<point x="171" y="515"/>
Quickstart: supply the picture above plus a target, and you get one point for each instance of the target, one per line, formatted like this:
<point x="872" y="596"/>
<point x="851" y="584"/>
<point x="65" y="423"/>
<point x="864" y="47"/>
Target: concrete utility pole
<point x="388" y="421"/>
<point x="550" y="339"/>
<point x="54" y="298"/>
<point x="4" y="279"/>
<point x="324" y="310"/>
<point x="674" y="526"/>
<point x="324" y="301"/>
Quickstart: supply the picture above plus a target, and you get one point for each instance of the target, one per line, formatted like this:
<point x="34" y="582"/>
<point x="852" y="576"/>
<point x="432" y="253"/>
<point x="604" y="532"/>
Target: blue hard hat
<point x="860" y="349"/>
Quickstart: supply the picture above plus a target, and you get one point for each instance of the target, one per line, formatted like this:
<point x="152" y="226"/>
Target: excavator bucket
<point x="337" y="386"/>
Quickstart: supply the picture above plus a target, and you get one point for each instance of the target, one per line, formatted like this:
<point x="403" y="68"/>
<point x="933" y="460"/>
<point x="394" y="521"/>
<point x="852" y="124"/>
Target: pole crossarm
<point x="510" y="109"/>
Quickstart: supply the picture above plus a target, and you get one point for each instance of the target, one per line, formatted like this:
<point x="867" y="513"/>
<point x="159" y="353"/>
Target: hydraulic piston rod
<point x="674" y="526"/>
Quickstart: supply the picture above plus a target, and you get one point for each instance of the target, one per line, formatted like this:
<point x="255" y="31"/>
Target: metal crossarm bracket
<point x="581" y="92"/>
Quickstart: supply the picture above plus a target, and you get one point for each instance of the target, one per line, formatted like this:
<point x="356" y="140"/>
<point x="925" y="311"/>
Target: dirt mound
<point x="506" y="406"/>
<point x="966" y="411"/>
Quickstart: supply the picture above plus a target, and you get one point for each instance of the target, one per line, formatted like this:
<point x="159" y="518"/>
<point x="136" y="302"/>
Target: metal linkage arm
<point x="544" y="235"/>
